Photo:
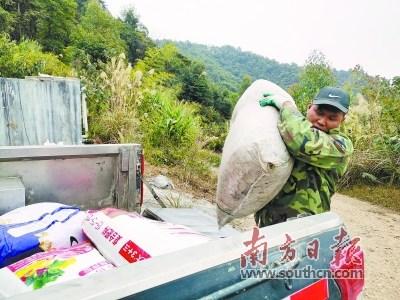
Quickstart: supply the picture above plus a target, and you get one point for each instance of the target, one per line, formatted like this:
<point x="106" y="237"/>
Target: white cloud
<point x="348" y="32"/>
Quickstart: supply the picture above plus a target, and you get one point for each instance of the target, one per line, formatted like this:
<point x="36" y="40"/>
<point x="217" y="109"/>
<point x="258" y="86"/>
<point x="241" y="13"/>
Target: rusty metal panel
<point x="37" y="110"/>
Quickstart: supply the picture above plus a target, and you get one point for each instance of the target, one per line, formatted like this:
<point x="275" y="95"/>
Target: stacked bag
<point x="47" y="243"/>
<point x="43" y="244"/>
<point x="39" y="227"/>
<point x="126" y="237"/>
<point x="51" y="267"/>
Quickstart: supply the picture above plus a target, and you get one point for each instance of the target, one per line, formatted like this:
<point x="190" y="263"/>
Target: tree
<point x="81" y="6"/>
<point x="7" y="19"/>
<point x="194" y="84"/>
<point x="221" y="100"/>
<point x="396" y="84"/>
<point x="316" y="74"/>
<point x="20" y="18"/>
<point x="135" y="35"/>
<point x="55" y="23"/>
<point x="188" y="78"/>
<point x="98" y="34"/>
<point x="246" y="82"/>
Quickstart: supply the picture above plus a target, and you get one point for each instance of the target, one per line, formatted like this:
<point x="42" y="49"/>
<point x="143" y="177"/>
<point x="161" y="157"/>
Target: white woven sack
<point x="255" y="162"/>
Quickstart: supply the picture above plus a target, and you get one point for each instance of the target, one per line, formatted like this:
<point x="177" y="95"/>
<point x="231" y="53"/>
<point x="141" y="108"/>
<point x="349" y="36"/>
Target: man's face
<point x="324" y="119"/>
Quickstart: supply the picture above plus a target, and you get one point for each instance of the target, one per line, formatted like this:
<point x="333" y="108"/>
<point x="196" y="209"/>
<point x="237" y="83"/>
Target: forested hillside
<point x="228" y="65"/>
<point x="176" y="98"/>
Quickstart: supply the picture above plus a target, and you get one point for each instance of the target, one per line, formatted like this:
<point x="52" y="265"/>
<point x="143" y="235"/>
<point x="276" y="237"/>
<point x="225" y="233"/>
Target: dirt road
<point x="379" y="231"/>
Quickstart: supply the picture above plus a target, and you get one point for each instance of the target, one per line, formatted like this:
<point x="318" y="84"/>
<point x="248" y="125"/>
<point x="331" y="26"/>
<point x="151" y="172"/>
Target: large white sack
<point x="125" y="237"/>
<point x="255" y="162"/>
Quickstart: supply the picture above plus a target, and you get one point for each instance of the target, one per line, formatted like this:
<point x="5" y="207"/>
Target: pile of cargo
<point x="48" y="243"/>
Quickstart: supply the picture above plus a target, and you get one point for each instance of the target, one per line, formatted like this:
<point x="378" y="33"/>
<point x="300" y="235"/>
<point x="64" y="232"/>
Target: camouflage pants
<point x="270" y="215"/>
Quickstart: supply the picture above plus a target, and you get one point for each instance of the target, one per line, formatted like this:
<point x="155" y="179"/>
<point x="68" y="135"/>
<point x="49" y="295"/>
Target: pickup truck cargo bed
<point x="210" y="270"/>
<point x="96" y="176"/>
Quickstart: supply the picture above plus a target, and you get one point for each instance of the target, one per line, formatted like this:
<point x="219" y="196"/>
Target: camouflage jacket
<point x="320" y="160"/>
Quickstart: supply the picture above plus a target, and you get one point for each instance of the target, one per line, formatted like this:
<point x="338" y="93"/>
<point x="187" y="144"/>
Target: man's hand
<point x="270" y="100"/>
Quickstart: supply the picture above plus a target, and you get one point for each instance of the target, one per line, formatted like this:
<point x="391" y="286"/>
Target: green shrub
<point x="196" y="169"/>
<point x="114" y="126"/>
<point x="169" y="127"/>
<point x="27" y="59"/>
<point x="214" y="128"/>
<point x="376" y="157"/>
<point x="315" y="75"/>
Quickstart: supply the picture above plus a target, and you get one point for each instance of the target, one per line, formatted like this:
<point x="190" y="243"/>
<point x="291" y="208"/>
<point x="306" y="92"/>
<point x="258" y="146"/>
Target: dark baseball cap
<point x="333" y="96"/>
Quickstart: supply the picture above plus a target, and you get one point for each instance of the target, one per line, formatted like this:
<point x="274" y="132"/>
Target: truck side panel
<point x="90" y="176"/>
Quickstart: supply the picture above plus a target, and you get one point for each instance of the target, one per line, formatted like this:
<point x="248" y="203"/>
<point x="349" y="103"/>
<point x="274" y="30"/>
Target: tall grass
<point x="117" y="121"/>
<point x="172" y="135"/>
<point x="376" y="158"/>
<point x="129" y="105"/>
<point x="170" y="128"/>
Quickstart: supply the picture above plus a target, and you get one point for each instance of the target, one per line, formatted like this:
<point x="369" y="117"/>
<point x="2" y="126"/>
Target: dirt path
<point x="379" y="231"/>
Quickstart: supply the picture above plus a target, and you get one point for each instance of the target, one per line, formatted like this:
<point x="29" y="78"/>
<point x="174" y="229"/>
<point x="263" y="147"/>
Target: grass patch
<point x="386" y="196"/>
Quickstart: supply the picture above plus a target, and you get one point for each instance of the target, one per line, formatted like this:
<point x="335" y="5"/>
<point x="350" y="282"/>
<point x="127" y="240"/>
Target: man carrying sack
<point x="320" y="151"/>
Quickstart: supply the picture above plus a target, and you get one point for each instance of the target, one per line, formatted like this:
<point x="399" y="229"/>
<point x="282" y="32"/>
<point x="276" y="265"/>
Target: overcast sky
<point x="348" y="32"/>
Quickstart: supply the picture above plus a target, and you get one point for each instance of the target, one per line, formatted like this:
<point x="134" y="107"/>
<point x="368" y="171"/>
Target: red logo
<point x="257" y="254"/>
<point x="132" y="252"/>
<point x="289" y="252"/>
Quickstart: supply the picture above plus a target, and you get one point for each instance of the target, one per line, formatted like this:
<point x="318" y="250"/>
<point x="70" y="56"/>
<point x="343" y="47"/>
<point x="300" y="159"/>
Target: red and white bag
<point x="125" y="237"/>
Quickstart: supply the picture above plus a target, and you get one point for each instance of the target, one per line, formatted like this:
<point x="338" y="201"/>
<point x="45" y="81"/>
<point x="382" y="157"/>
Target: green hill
<point x="227" y="65"/>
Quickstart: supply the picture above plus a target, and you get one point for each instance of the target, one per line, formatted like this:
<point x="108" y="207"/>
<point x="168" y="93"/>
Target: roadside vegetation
<point x="178" y="106"/>
<point x="383" y="195"/>
<point x="373" y="124"/>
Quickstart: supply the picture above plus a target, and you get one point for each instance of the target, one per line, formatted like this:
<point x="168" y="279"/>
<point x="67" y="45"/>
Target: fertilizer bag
<point x="125" y="237"/>
<point x="39" y="227"/>
<point x="48" y="268"/>
<point x="255" y="162"/>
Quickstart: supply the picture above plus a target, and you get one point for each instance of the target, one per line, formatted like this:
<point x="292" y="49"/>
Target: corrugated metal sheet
<point x="39" y="109"/>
